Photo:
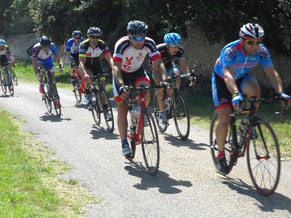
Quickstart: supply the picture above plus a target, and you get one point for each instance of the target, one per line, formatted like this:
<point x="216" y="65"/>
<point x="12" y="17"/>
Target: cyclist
<point x="6" y="56"/>
<point x="129" y="54"/>
<point x="171" y="51"/>
<point x="72" y="52"/>
<point x="230" y="79"/>
<point x="90" y="52"/>
<point x="42" y="53"/>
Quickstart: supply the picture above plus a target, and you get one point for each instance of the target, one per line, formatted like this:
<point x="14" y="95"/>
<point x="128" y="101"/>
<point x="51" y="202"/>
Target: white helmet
<point x="251" y="31"/>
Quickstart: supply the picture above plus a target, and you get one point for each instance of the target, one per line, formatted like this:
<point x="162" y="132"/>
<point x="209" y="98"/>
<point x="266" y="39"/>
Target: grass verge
<point x="30" y="185"/>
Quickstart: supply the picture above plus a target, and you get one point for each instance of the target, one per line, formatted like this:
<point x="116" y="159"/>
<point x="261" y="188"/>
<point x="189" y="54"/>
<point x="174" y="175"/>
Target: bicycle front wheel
<point x="10" y="85"/>
<point x="46" y="97"/>
<point x="150" y="144"/>
<point x="181" y="117"/>
<point x="107" y="112"/>
<point x="57" y="107"/>
<point x="77" y="90"/>
<point x="3" y="85"/>
<point x="228" y="147"/>
<point x="95" y="107"/>
<point x="263" y="158"/>
<point x="15" y="80"/>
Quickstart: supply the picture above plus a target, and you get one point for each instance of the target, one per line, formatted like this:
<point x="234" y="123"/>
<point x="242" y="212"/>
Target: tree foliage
<point x="219" y="20"/>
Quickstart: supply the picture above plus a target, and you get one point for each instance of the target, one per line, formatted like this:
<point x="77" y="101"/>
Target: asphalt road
<point x="186" y="185"/>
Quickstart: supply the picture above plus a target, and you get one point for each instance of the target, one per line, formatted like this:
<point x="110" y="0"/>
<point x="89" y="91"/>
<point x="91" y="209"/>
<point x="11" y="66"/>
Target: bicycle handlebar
<point x="43" y="69"/>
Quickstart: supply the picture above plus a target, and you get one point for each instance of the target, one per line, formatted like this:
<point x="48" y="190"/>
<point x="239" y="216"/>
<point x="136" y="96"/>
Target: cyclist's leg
<point x="250" y="87"/>
<point x="122" y="110"/>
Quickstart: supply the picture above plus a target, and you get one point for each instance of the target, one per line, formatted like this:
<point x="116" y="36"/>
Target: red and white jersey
<point x="132" y="58"/>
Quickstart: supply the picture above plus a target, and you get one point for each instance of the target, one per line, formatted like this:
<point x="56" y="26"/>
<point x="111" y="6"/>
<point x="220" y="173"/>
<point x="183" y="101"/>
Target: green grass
<point x="29" y="182"/>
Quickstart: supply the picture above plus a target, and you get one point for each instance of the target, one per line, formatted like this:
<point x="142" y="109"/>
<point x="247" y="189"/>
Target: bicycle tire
<point x="149" y="151"/>
<point x="58" y="110"/>
<point x="181" y="111"/>
<point x="229" y="144"/>
<point x="77" y="90"/>
<point x="263" y="156"/>
<point x="162" y="127"/>
<point x="3" y="86"/>
<point x="10" y="85"/>
<point x="95" y="108"/>
<point x="47" y="98"/>
<point x="109" y="122"/>
<point x="15" y="80"/>
<point x="132" y="145"/>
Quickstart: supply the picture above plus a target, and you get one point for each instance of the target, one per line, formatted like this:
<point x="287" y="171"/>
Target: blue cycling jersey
<point x="233" y="55"/>
<point x="72" y="46"/>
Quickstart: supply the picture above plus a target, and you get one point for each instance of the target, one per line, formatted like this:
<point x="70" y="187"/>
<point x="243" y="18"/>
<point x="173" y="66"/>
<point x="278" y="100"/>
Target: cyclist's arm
<point x="116" y="72"/>
<point x="82" y="64"/>
<point x="35" y="65"/>
<point x="109" y="60"/>
<point x="183" y="65"/>
<point x="274" y="78"/>
<point x="228" y="72"/>
<point x="68" y="54"/>
<point x="158" y="66"/>
<point x="59" y="60"/>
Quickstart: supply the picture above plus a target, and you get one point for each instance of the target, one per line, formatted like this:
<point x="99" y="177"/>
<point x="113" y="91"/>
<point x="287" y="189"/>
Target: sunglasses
<point x="174" y="46"/>
<point x="136" y="38"/>
<point x="94" y="36"/>
<point x="251" y="42"/>
<point x="77" y="38"/>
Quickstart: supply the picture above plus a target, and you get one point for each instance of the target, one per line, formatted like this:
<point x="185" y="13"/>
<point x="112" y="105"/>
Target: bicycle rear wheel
<point x="108" y="113"/>
<point x="162" y="127"/>
<point x="181" y="117"/>
<point x="150" y="144"/>
<point x="263" y="158"/>
<point x="229" y="144"/>
<point x="95" y="107"/>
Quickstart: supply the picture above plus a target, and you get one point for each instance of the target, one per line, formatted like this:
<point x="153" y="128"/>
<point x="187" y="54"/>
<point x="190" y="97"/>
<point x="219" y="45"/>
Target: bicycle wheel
<point x="95" y="107"/>
<point x="47" y="98"/>
<point x="150" y="144"/>
<point x="10" y="85"/>
<point x="162" y="127"/>
<point x="77" y="90"/>
<point x="108" y="113"/>
<point x="181" y="117"/>
<point x="3" y="85"/>
<point x="263" y="158"/>
<point x="229" y="144"/>
<point x="15" y="80"/>
<point x="131" y="138"/>
<point x="57" y="107"/>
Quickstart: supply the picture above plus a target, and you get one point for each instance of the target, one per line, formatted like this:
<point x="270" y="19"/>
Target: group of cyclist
<point x="230" y="78"/>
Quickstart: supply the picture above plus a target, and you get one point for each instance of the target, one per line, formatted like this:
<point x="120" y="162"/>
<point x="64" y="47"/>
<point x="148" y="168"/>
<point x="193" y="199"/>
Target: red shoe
<point x="41" y="88"/>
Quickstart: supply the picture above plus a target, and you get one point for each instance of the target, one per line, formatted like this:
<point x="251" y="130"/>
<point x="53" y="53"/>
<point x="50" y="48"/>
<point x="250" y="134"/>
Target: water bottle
<point x="168" y="104"/>
<point x="134" y="113"/>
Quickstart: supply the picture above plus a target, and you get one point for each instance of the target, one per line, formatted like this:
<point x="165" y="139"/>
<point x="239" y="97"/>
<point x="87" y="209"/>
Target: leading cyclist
<point x="230" y="79"/>
<point x="129" y="54"/>
<point x="6" y="56"/>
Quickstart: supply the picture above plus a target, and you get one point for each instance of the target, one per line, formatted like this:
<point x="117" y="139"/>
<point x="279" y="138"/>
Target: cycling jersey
<point x="4" y="59"/>
<point x="167" y="57"/>
<point x="41" y="55"/>
<point x="131" y="58"/>
<point x="233" y="55"/>
<point x="93" y="55"/>
<point x="72" y="46"/>
<point x="45" y="57"/>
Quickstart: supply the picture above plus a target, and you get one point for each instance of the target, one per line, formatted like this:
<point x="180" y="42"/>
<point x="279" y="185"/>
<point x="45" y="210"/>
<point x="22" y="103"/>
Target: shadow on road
<point x="272" y="203"/>
<point x="162" y="180"/>
<point x="52" y="118"/>
<point x="100" y="132"/>
<point x="176" y="141"/>
<point x="79" y="105"/>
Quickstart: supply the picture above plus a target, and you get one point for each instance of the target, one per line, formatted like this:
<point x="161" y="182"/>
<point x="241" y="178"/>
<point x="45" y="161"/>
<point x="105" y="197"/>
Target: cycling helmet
<point x="2" y="42"/>
<point x="251" y="31"/>
<point x="94" y="31"/>
<point x="45" y="41"/>
<point x="172" y="38"/>
<point x="76" y="33"/>
<point x="136" y="27"/>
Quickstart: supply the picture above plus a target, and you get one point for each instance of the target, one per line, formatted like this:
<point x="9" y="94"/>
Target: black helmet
<point x="94" y="31"/>
<point x="136" y="27"/>
<point x="45" y="41"/>
<point x="76" y="33"/>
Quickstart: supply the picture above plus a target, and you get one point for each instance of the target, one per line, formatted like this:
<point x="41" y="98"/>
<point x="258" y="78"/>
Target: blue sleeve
<point x="265" y="55"/>
<point x="227" y="57"/>
<point x="54" y="49"/>
<point x="83" y="39"/>
<point x="69" y="45"/>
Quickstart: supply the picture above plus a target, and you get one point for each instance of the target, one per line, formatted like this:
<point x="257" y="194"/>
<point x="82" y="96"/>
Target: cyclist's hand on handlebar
<point x="286" y="97"/>
<point x="123" y="91"/>
<point x="237" y="98"/>
<point x="166" y="86"/>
